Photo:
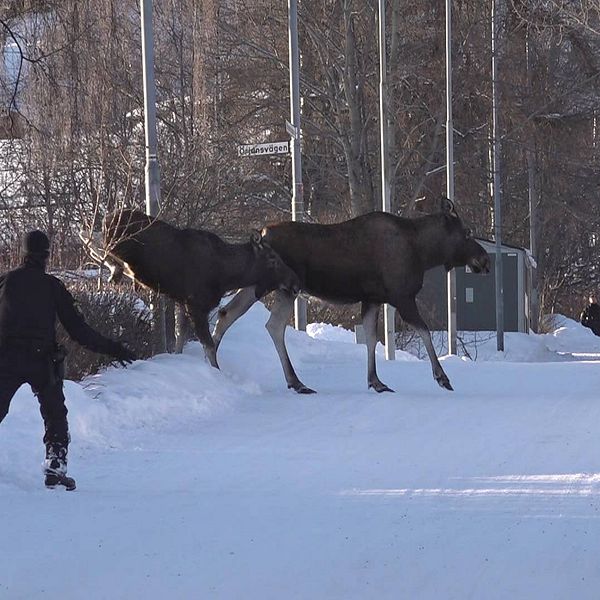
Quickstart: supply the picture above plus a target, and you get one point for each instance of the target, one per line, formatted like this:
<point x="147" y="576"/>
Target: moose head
<point x="274" y="273"/>
<point x="461" y="246"/>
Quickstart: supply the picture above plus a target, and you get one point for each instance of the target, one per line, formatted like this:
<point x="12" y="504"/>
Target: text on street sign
<point x="264" y="149"/>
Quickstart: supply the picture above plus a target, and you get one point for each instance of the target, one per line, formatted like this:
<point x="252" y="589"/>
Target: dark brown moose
<point x="192" y="266"/>
<point x="373" y="259"/>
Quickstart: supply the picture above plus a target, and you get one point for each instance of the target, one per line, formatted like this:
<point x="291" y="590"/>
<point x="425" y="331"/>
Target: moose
<point x="192" y="266"/>
<point x="373" y="259"/>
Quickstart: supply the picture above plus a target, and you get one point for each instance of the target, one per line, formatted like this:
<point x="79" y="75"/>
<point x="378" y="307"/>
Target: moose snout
<point x="481" y="264"/>
<point x="291" y="284"/>
<point x="292" y="287"/>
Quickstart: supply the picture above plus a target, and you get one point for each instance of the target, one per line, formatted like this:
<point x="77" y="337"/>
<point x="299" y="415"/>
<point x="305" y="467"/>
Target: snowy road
<point x="200" y="484"/>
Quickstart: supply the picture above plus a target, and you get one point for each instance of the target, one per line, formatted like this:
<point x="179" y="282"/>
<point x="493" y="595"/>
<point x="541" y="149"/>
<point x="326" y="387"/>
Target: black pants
<point x="17" y="368"/>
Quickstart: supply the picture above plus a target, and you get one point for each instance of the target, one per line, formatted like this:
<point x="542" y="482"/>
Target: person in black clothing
<point x="590" y="317"/>
<point x="30" y="302"/>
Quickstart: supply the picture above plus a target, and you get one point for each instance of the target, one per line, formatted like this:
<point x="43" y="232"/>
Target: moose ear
<point x="256" y="239"/>
<point x="447" y="206"/>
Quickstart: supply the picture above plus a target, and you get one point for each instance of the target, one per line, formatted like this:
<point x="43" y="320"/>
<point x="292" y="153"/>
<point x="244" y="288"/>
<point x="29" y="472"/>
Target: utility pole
<point x="452" y="346"/>
<point x="496" y="183"/>
<point x="389" y="313"/>
<point x="293" y="128"/>
<point x="152" y="167"/>
<point x="534" y="301"/>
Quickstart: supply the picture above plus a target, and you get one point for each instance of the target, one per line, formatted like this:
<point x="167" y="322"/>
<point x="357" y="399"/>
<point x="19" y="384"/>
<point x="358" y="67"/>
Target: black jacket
<point x="30" y="302"/>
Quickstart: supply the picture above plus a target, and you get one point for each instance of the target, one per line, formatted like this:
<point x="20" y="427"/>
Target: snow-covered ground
<point x="195" y="483"/>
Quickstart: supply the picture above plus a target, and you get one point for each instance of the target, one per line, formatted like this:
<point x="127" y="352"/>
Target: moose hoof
<point x="300" y="388"/>
<point x="444" y="382"/>
<point x="379" y="387"/>
<point x="115" y="277"/>
<point x="212" y="361"/>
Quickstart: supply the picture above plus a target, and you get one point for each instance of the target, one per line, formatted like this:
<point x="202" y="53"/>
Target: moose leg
<point x="199" y="318"/>
<point x="407" y="307"/>
<point x="370" y="313"/>
<point x="116" y="270"/>
<point x="232" y="311"/>
<point x="280" y="315"/>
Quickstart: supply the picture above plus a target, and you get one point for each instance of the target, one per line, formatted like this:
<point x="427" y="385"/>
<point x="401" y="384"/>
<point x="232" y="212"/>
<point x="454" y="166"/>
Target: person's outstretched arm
<point x="81" y="332"/>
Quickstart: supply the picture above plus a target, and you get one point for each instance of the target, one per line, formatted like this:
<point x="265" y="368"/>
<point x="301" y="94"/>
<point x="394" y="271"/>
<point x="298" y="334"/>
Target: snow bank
<point x="330" y="333"/>
<point x="569" y="341"/>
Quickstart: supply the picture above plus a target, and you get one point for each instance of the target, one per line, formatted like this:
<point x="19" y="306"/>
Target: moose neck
<point x="241" y="269"/>
<point x="433" y="242"/>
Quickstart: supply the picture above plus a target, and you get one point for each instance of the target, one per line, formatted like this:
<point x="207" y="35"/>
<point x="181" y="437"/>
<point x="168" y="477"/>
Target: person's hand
<point x="122" y="354"/>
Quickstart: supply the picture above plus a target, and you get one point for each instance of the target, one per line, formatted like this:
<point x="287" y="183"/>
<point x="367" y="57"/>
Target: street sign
<point x="264" y="149"/>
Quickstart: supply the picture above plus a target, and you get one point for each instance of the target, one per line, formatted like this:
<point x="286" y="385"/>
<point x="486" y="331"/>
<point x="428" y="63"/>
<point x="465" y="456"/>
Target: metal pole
<point x="534" y="303"/>
<point x="496" y="183"/>
<point x="452" y="346"/>
<point x="152" y="167"/>
<point x="298" y="213"/>
<point x="388" y="311"/>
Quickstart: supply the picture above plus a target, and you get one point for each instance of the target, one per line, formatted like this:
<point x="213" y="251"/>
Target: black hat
<point x="36" y="243"/>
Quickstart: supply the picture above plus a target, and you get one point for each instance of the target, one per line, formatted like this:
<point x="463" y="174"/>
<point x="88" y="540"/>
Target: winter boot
<point x="55" y="468"/>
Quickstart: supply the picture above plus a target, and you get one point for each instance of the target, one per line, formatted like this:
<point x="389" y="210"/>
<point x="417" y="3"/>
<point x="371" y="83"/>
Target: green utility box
<point x="476" y="293"/>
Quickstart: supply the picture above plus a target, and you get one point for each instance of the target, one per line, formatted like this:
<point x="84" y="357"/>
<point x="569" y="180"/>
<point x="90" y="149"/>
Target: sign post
<point x="152" y="168"/>
<point x="298" y="212"/>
